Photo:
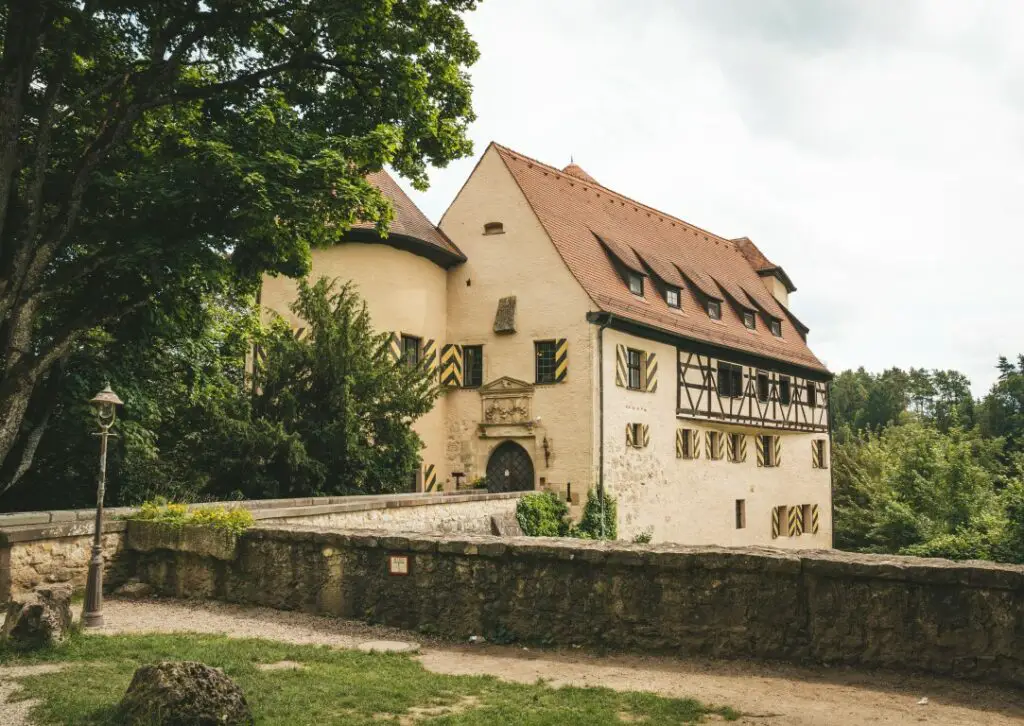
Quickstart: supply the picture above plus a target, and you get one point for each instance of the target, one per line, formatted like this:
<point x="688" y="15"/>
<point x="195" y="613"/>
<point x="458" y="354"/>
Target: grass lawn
<point x="336" y="687"/>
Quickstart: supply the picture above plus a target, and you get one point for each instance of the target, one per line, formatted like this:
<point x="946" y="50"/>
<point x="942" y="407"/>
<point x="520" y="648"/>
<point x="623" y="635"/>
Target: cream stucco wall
<point x="550" y="305"/>
<point x="693" y="501"/>
<point x="404" y="293"/>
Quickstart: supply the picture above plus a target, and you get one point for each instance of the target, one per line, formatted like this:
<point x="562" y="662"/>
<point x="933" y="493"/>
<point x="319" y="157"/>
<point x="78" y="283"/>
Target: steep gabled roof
<point x="409" y="224"/>
<point x="590" y="224"/>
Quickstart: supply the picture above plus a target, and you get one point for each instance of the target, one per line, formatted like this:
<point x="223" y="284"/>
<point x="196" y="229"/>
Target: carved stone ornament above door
<point x="506" y="408"/>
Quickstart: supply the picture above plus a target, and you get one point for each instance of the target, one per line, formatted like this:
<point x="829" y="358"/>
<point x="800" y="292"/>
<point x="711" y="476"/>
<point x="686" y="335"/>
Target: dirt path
<point x="770" y="694"/>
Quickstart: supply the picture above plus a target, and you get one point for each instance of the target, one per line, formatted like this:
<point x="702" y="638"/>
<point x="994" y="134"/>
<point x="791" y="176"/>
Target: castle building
<point x="585" y="339"/>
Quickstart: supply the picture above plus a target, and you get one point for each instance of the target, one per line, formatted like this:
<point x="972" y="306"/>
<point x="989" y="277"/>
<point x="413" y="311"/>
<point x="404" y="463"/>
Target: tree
<point x="348" y="403"/>
<point x="149" y="150"/>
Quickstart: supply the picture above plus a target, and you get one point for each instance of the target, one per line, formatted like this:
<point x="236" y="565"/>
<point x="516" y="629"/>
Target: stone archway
<point x="509" y="469"/>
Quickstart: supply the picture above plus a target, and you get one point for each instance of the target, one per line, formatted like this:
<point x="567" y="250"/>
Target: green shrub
<point x="590" y="523"/>
<point x="644" y="537"/>
<point x="543" y="515"/>
<point x="233" y="520"/>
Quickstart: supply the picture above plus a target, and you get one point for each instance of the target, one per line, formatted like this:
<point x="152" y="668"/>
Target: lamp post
<point x="106" y="403"/>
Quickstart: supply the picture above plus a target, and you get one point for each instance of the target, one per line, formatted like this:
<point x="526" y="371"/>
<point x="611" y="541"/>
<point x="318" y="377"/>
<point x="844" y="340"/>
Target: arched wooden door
<point x="509" y="469"/>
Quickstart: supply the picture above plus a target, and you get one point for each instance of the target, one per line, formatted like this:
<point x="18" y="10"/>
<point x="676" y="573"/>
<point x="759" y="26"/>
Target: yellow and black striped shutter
<point x="679" y="443"/>
<point x="645" y="433"/>
<point x="620" y="366"/>
<point x="815" y="459"/>
<point x="395" y="346"/>
<point x="814" y="519"/>
<point x="561" y="359"/>
<point x="451" y="365"/>
<point x="775" y="522"/>
<point x="430" y="478"/>
<point x="777" y="441"/>
<point x="301" y="334"/>
<point x="707" y="445"/>
<point x="695" y="443"/>
<point x="730" y="446"/>
<point x="742" y="453"/>
<point x="721" y="446"/>
<point x="651" y="375"/>
<point x="630" y="441"/>
<point x="428" y="356"/>
<point x="759" y="447"/>
<point x="795" y="516"/>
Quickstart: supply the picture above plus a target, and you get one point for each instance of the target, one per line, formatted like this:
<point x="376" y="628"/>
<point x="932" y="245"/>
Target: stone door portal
<point x="509" y="469"/>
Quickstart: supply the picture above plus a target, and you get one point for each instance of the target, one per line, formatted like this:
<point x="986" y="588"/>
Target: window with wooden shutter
<point x="778" y="521"/>
<point x="395" y="346"/>
<point x="645" y="438"/>
<point x="736" y="448"/>
<point x="428" y="356"/>
<point x="818" y="457"/>
<point x="814" y="519"/>
<point x="715" y="445"/>
<point x="769" y="450"/>
<point x="561" y="359"/>
<point x="687" y="444"/>
<point x="451" y="365"/>
<point x="650" y="373"/>
<point x="621" y="371"/>
<point x="795" y="521"/>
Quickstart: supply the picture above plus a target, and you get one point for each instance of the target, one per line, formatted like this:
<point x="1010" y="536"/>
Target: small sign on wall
<point x="398" y="565"/>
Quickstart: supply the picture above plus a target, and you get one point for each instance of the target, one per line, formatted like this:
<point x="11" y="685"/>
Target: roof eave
<point x="439" y="256"/>
<point x="780" y="275"/>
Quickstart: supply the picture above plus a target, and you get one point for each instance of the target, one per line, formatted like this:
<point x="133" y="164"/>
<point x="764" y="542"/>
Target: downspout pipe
<point x="607" y="320"/>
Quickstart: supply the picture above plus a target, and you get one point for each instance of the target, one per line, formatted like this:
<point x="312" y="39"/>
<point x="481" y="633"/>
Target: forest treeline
<point x="923" y="468"/>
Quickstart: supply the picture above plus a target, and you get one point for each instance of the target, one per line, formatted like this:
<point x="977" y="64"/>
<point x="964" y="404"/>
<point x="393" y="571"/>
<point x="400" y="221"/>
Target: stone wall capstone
<point x="949" y="618"/>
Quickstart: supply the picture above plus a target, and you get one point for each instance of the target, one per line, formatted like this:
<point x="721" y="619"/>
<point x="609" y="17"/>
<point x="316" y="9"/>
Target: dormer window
<point x="636" y="284"/>
<point x="494" y="228"/>
<point x="749" y="321"/>
<point x="777" y="328"/>
<point x="672" y="296"/>
<point x="714" y="309"/>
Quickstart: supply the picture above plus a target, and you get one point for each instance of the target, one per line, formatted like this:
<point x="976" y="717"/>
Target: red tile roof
<point x="578" y="214"/>
<point x="760" y="263"/>
<point x="409" y="221"/>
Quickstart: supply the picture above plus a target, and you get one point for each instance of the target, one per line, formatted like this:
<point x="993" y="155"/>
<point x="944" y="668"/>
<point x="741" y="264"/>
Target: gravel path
<point x="771" y="694"/>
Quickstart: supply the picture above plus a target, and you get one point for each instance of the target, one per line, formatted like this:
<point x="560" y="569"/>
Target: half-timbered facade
<point x="583" y="339"/>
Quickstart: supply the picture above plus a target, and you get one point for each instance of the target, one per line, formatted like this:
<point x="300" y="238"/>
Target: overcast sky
<point x="873" y="148"/>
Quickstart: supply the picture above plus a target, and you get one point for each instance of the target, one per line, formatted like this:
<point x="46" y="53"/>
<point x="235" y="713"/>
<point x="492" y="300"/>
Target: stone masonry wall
<point x="961" y="619"/>
<point x="47" y="547"/>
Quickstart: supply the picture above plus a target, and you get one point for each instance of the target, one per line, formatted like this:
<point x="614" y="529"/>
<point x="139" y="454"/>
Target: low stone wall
<point x="960" y="619"/>
<point x="47" y="547"/>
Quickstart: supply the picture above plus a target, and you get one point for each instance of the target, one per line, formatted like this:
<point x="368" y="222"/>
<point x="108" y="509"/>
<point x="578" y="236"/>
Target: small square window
<point x="749" y="321"/>
<point x="545" y="354"/>
<point x="777" y="328"/>
<point x="812" y="394"/>
<point x="785" y="392"/>
<point x="763" y="387"/>
<point x="741" y="514"/>
<point x="637" y="435"/>
<point x="672" y="296"/>
<point x="410" y="351"/>
<point x="472" y="365"/>
<point x="636" y="284"/>
<point x="714" y="310"/>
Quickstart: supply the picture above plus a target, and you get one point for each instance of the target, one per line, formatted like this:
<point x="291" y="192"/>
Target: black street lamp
<point x="106" y="403"/>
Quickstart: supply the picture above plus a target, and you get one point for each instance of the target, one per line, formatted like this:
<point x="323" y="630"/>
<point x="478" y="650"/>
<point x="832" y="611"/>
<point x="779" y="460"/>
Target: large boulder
<point x="183" y="694"/>
<point x="38" y="619"/>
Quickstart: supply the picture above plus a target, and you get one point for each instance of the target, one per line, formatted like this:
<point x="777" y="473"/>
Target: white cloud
<point x="874" y="149"/>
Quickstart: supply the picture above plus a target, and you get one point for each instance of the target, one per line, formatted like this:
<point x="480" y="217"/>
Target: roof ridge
<point x="620" y="195"/>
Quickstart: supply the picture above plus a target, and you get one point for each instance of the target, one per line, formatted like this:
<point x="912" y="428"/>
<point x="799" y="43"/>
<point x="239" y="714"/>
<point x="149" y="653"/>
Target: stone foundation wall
<point x="961" y="619"/>
<point x="47" y="547"/>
